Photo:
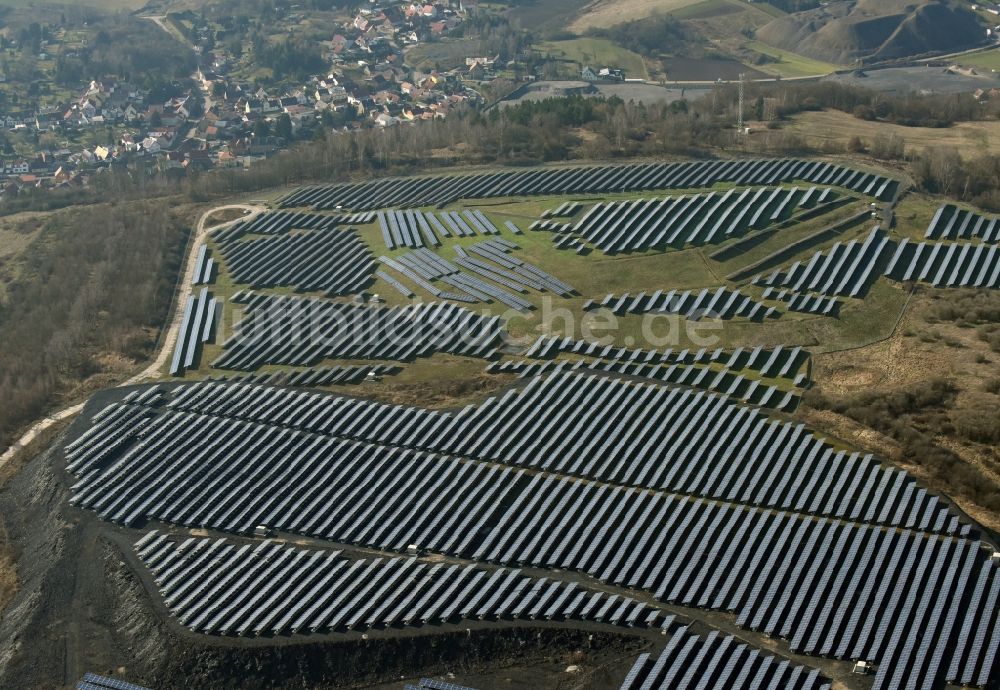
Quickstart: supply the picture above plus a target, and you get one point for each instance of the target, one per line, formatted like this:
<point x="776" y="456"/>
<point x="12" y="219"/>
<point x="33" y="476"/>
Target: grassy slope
<point x="789" y="64"/>
<point x="597" y="52"/>
<point x="836" y="128"/>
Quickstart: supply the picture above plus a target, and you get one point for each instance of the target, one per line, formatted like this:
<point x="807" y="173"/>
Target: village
<point x="223" y="119"/>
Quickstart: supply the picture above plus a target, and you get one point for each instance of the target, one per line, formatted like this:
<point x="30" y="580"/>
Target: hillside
<point x="844" y="32"/>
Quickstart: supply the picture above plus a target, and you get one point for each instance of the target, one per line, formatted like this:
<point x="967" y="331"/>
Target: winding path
<point x="153" y="370"/>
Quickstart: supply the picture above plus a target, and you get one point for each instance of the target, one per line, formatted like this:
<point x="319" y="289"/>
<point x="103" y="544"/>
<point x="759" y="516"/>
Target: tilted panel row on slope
<point x="717" y="661"/>
<point x="401" y="192"/>
<point x="418" y="229"/>
<point x="336" y="262"/>
<point x="843" y="270"/>
<point x="300" y="331"/>
<point x="720" y="303"/>
<point x="720" y="381"/>
<point x="711" y="218"/>
<point x="280" y="222"/>
<point x="947" y="264"/>
<point x="220" y="588"/>
<point x="773" y="362"/>
<point x="953" y="223"/>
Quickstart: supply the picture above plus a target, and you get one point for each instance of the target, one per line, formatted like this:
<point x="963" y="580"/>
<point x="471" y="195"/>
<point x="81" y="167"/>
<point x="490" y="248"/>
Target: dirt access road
<point x="167" y="342"/>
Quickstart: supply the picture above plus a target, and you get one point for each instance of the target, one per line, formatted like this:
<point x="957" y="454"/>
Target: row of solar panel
<point x="720" y="303"/>
<point x="732" y="386"/>
<point x="334" y="261"/>
<point x="635" y="226"/>
<point x="280" y="222"/>
<point x="843" y="270"/>
<point x="398" y="192"/>
<point x="299" y="331"/>
<point x="953" y="223"/>
<point x="424" y="229"/>
<point x="567" y="209"/>
<point x="201" y="317"/>
<point x="204" y="267"/>
<point x="217" y="587"/>
<point x="717" y="661"/>
<point x="776" y="362"/>
<point x="944" y="264"/>
<point x="320" y="376"/>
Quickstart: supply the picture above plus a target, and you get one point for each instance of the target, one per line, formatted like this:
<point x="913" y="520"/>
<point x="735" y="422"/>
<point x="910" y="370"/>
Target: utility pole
<point x="739" y="120"/>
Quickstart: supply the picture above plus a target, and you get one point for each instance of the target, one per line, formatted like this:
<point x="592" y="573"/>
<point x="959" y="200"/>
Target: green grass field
<point x="596" y="52"/>
<point x="984" y="59"/>
<point x="789" y="65"/>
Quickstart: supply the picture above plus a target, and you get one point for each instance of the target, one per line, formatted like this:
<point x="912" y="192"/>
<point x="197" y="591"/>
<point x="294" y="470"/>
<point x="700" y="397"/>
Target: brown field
<point x="831" y="128"/>
<point x="919" y="350"/>
<point x="604" y="13"/>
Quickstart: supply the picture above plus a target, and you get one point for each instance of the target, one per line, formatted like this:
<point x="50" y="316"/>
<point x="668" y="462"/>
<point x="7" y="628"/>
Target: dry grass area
<point x="225" y="216"/>
<point x="832" y="129"/>
<point x="601" y="14"/>
<point x="923" y="349"/>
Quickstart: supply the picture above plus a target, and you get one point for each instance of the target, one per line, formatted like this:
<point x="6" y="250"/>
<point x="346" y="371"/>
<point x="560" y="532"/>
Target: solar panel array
<point x="401" y="192"/>
<point x="830" y="587"/>
<point x="423" y="266"/>
<point x="700" y="219"/>
<point x="947" y="264"/>
<point x="424" y="229"/>
<point x="432" y="684"/>
<point x="953" y="223"/>
<point x="217" y="587"/>
<point x="720" y="303"/>
<point x="202" y="314"/>
<point x="336" y="262"/>
<point x="301" y="331"/>
<point x="485" y="272"/>
<point x="92" y="681"/>
<point x="843" y="270"/>
<point x="320" y="376"/>
<point x="204" y="267"/>
<point x="666" y="438"/>
<point x="717" y="661"/>
<point x="681" y="494"/>
<point x="280" y="222"/>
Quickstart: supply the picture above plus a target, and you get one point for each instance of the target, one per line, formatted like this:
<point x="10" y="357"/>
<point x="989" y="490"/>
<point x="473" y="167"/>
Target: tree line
<point x="91" y="291"/>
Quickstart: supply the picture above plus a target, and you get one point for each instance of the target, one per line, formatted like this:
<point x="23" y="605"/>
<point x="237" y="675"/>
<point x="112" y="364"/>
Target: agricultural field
<point x="984" y="59"/>
<point x="604" y="13"/>
<point x="596" y="52"/>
